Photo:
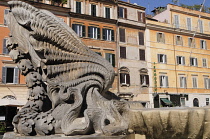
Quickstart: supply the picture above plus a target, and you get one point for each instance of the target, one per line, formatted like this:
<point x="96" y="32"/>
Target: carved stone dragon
<point x="68" y="86"/>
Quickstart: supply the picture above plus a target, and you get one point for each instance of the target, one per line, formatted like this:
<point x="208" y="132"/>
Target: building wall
<point x="134" y="91"/>
<point x="19" y="91"/>
<point x="171" y="69"/>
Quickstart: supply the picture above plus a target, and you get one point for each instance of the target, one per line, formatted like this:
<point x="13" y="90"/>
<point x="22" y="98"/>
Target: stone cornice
<point x="177" y="31"/>
<point x="191" y="14"/>
<point x="131" y="5"/>
<point x="94" y="18"/>
<point x="131" y="26"/>
<point x="40" y="5"/>
<point x="114" y="2"/>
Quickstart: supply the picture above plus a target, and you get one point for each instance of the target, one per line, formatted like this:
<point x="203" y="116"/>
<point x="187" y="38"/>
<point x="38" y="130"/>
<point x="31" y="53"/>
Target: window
<point x="10" y="75"/>
<point x="191" y="42"/>
<point x="162" y="58"/>
<point x="141" y="17"/>
<point x="141" y="38"/>
<point x="200" y="25"/>
<point x="176" y="21"/>
<point x="144" y="77"/>
<point x="163" y="81"/>
<point x="78" y="7"/>
<point x="206" y="83"/>
<point x="122" y="34"/>
<point x="107" y="12"/>
<point x="6" y="11"/>
<point x="124" y="76"/>
<point x="180" y="60"/>
<point x="182" y="101"/>
<point x="194" y="82"/>
<point x="122" y="52"/>
<point x="178" y="40"/>
<point x="193" y="61"/>
<point x="160" y="37"/>
<point x="94" y="32"/>
<point x="204" y="62"/>
<point x="203" y="44"/>
<point x="144" y="80"/>
<point x="108" y="34"/>
<point x="111" y="58"/>
<point x="122" y="12"/>
<point x="189" y="24"/>
<point x="93" y="9"/>
<point x="5" y="50"/>
<point x="142" y="54"/>
<point x="183" y="82"/>
<point x="79" y="29"/>
<point x="207" y="101"/>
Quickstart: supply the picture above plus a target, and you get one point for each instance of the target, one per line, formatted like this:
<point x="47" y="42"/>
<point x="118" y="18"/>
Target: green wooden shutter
<point x="83" y="31"/>
<point x="112" y="31"/>
<point x="16" y="75"/>
<point x="99" y="33"/>
<point x="104" y="33"/>
<point x="89" y="31"/>
<point x="113" y="60"/>
<point x="4" y="75"/>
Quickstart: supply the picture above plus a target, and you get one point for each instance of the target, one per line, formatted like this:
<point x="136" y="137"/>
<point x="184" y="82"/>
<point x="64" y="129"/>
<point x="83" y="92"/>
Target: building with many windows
<point x="178" y="46"/>
<point x="132" y="65"/>
<point x="12" y="83"/>
<point x="95" y="22"/>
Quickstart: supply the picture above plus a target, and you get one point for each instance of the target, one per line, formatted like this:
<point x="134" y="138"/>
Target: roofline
<point x="131" y="5"/>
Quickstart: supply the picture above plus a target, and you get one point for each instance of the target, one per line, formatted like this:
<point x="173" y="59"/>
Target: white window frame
<point x="203" y="44"/>
<point x="181" y="40"/>
<point x="189" y="27"/>
<point x="122" y="13"/>
<point x="163" y="81"/>
<point x="182" y="98"/>
<point x="176" y="22"/>
<point x="162" y="58"/>
<point x="97" y="10"/>
<point x="200" y="23"/>
<point x="82" y="12"/>
<point x="160" y="39"/>
<point x="194" y="82"/>
<point x="79" y="30"/>
<point x="204" y="62"/>
<point x="180" y="60"/>
<point x="108" y="34"/>
<point x="195" y="61"/>
<point x="6" y="11"/>
<point x="110" y="8"/>
<point x="15" y="75"/>
<point x="183" y="82"/>
<point x="206" y="83"/>
<point x="191" y="42"/>
<point x="94" y="32"/>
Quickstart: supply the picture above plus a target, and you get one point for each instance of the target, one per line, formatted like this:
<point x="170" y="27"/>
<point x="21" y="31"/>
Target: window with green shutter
<point x="10" y="75"/>
<point x="111" y="58"/>
<point x="78" y="7"/>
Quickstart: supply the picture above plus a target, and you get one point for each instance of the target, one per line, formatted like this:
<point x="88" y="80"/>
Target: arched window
<point x="144" y="77"/>
<point x="9" y="97"/>
<point x="124" y="76"/>
<point x="195" y="102"/>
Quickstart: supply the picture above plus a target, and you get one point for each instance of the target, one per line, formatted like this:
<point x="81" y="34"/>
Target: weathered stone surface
<point x="68" y="86"/>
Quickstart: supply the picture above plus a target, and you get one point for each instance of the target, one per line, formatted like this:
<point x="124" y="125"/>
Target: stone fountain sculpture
<point x="68" y="86"/>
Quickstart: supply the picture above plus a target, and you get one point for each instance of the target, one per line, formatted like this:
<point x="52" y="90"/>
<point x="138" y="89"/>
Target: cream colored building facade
<point x="178" y="54"/>
<point x="132" y="65"/>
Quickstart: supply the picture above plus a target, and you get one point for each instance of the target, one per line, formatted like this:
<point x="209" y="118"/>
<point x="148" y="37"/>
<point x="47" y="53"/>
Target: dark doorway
<point x="195" y="102"/>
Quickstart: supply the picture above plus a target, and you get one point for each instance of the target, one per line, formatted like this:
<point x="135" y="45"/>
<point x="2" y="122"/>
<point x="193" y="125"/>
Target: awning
<point x="11" y="102"/>
<point x="166" y="101"/>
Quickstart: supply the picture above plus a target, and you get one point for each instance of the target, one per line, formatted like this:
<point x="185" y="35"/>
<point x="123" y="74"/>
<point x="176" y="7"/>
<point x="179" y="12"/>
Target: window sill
<point x="127" y="85"/>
